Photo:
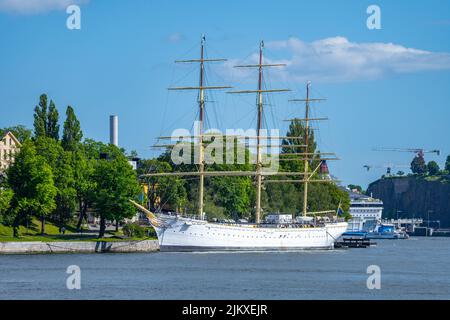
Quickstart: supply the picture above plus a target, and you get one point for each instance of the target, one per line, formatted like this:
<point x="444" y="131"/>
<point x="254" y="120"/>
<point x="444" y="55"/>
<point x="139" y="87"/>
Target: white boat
<point x="187" y="235"/>
<point x="177" y="233"/>
<point x="387" y="231"/>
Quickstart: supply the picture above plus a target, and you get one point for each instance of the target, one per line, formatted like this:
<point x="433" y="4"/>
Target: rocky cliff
<point x="414" y="196"/>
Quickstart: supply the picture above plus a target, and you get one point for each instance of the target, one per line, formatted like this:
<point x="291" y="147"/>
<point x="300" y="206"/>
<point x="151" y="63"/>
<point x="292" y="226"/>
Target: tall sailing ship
<point x="182" y="233"/>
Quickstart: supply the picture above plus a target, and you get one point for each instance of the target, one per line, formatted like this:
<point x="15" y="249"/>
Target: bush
<point x="134" y="230"/>
<point x="433" y="168"/>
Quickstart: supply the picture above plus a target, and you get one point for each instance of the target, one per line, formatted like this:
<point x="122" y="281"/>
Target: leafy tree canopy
<point x="72" y="133"/>
<point x="418" y="165"/>
<point x="447" y="164"/>
<point x="31" y="180"/>
<point x="116" y="183"/>
<point x="46" y="119"/>
<point x="433" y="168"/>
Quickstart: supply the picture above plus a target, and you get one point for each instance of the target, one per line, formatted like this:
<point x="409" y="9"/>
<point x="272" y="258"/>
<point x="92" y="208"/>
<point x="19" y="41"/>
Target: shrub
<point x="134" y="230"/>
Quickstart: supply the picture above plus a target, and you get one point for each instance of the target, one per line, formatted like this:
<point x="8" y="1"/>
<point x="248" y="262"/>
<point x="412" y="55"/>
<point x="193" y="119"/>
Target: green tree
<point x="116" y="184"/>
<point x="433" y="168"/>
<point x="327" y="196"/>
<point x="31" y="180"/>
<point x="282" y="197"/>
<point x="83" y="168"/>
<point x="5" y="203"/>
<point x="288" y="197"/>
<point x="50" y="149"/>
<point x="40" y="117"/>
<point x="61" y="163"/>
<point x="72" y="133"/>
<point x="66" y="195"/>
<point x="46" y="119"/>
<point x="418" y="165"/>
<point x="52" y="122"/>
<point x="298" y="129"/>
<point x="233" y="194"/>
<point x="162" y="191"/>
<point x="133" y="154"/>
<point x="447" y="164"/>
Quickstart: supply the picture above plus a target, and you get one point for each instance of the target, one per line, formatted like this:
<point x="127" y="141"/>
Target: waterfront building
<point x="9" y="146"/>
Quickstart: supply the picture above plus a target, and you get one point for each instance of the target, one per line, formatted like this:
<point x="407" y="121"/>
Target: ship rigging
<point x="178" y="233"/>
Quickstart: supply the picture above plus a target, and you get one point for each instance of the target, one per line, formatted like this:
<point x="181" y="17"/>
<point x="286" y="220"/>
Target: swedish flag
<point x="339" y="211"/>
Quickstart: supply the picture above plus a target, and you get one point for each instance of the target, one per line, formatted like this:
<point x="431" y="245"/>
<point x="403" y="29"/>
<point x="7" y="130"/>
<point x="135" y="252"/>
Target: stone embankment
<point x="78" y="247"/>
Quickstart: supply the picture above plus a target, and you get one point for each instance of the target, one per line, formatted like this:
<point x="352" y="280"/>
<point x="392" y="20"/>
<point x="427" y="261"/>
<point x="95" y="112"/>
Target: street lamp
<point x="398" y="222"/>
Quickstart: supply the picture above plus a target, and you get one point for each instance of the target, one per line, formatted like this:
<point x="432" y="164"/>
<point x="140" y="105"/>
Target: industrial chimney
<point x="114" y="130"/>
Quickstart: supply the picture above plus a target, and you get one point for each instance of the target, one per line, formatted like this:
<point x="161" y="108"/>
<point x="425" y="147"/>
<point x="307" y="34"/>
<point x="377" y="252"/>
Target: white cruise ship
<point x="177" y="233"/>
<point x="366" y="212"/>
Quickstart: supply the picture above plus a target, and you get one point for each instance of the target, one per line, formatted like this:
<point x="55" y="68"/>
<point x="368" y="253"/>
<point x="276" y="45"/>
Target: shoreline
<point x="42" y="247"/>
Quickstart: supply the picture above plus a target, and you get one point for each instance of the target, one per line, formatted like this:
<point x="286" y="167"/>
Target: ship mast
<point x="305" y="162"/>
<point x="308" y="155"/>
<point x="201" y="104"/>
<point x="258" y="138"/>
<point x="259" y="104"/>
<point x="259" y="172"/>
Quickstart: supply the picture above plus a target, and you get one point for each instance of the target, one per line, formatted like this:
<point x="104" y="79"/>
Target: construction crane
<point x="388" y="166"/>
<point x="418" y="151"/>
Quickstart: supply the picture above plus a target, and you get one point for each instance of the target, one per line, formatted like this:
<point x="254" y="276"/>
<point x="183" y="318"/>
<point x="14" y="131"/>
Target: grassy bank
<point x="32" y="233"/>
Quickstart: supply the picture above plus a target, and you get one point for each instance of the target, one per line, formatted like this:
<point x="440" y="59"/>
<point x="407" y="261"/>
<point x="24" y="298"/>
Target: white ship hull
<point x="182" y="234"/>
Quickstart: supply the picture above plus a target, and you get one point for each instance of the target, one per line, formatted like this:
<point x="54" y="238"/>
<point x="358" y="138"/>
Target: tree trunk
<point x="42" y="224"/>
<point x="61" y="222"/>
<point x="101" y="233"/>
<point x="15" y="232"/>
<point x="80" y="221"/>
<point x="16" y="227"/>
<point x="83" y="210"/>
<point x="117" y="225"/>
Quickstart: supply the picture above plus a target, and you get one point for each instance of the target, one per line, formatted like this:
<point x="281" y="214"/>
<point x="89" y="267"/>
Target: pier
<point x="420" y="227"/>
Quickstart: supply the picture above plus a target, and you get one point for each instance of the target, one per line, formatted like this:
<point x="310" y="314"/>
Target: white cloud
<point x="338" y="60"/>
<point x="174" y="37"/>
<point x="36" y="6"/>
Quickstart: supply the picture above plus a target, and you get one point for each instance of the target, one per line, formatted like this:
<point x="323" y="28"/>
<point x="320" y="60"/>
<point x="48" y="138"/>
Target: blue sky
<point x="385" y="88"/>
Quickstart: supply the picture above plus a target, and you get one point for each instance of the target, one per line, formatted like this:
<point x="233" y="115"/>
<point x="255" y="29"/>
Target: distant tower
<point x="114" y="130"/>
<point x="323" y="170"/>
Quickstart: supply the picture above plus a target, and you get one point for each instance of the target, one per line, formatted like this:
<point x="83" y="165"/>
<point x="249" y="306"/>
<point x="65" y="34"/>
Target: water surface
<point x="417" y="268"/>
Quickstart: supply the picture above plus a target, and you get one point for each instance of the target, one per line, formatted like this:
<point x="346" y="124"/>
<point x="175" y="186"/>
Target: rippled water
<point x="417" y="268"/>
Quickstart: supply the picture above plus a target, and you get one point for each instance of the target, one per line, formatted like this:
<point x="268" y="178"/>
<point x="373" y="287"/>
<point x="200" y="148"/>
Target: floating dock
<point x="354" y="243"/>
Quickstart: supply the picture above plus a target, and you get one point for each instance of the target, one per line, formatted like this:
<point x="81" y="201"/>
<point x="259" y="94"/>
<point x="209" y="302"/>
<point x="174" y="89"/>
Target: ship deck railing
<point x="230" y="222"/>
